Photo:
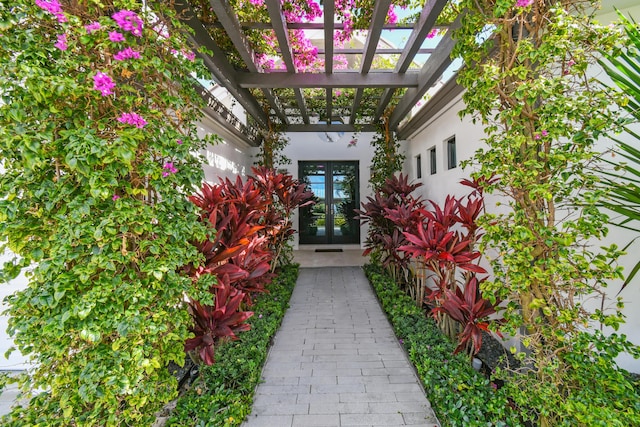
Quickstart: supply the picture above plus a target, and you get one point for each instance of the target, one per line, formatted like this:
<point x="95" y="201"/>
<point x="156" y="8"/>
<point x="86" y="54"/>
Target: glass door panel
<point x="335" y="188"/>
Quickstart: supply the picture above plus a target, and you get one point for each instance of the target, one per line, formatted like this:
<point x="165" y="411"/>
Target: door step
<point x="329" y="250"/>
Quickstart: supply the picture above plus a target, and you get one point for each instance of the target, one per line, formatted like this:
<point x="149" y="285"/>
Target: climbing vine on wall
<point x="527" y="82"/>
<point x="386" y="159"/>
<point x="97" y="131"/>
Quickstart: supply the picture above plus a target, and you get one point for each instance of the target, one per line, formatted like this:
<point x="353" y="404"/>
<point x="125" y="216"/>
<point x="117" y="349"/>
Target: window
<point x="418" y="166"/>
<point x="451" y="152"/>
<point x="432" y="161"/>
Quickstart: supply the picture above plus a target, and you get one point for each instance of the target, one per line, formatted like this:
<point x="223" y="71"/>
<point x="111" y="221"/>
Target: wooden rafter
<point x="424" y="26"/>
<point x="282" y="33"/>
<point x="258" y="90"/>
<point x="335" y="80"/>
<point x="375" y="30"/>
<point x="222" y="71"/>
<point x="227" y="17"/>
<point x="430" y="73"/>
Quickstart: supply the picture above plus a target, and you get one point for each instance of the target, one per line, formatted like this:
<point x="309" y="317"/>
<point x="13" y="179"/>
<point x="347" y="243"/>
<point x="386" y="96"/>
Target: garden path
<point x="336" y="362"/>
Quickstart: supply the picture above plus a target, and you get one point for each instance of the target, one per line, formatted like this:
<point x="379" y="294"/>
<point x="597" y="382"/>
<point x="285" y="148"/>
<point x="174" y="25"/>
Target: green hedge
<point x="459" y="395"/>
<point x="223" y="393"/>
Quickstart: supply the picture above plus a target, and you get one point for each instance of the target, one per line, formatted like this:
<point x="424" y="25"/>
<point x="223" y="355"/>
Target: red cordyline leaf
<point x="468" y="308"/>
<point x="468" y="213"/>
<point x="212" y="324"/>
<point x="398" y="186"/>
<point x="478" y="184"/>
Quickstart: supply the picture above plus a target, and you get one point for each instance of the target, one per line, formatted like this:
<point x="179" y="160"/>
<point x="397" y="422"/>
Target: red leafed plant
<point x="249" y="221"/>
<point x="282" y="194"/>
<point x="216" y="323"/>
<point x="471" y="310"/>
<point x="443" y="241"/>
<point x="390" y="212"/>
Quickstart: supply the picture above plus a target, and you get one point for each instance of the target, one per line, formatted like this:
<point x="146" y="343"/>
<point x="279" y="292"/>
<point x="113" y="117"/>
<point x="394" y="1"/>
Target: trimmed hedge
<point x="458" y="394"/>
<point x="223" y="393"/>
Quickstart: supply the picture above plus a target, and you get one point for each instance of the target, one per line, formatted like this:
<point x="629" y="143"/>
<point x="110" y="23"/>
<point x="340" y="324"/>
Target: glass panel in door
<point x="336" y="191"/>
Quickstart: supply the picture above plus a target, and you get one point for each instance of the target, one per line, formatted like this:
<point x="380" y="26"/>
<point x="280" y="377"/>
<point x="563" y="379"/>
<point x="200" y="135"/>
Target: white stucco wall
<point x="227" y="159"/>
<point x="307" y="146"/>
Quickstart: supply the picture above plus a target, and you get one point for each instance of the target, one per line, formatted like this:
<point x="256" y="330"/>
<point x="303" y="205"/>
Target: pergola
<point x="293" y="101"/>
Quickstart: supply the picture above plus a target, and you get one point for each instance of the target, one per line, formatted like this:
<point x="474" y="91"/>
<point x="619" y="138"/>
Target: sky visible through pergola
<point x="397" y="67"/>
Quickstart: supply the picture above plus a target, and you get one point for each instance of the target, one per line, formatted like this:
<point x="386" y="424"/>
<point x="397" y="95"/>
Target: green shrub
<point x="97" y="133"/>
<point x="223" y="393"/>
<point x="459" y="395"/>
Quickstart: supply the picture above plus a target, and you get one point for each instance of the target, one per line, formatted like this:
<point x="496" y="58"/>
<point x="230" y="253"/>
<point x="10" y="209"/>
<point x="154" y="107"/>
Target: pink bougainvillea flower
<point x="127" y="53"/>
<point x="541" y="134"/>
<point x="115" y="36"/>
<point x="524" y="3"/>
<point x="53" y="7"/>
<point x="129" y="21"/>
<point x="103" y="83"/>
<point x="392" y="18"/>
<point x="257" y="2"/>
<point x="190" y="56"/>
<point x="62" y="42"/>
<point x="169" y="169"/>
<point x="94" y="26"/>
<point x="432" y="33"/>
<point x="132" y="119"/>
<point x="179" y="141"/>
<point x="115" y="197"/>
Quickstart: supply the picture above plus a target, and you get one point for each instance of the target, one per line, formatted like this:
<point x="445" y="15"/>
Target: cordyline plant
<point x="443" y="242"/>
<point x="97" y="127"/>
<point x="526" y="81"/>
<point x="283" y="195"/>
<point x="251" y="224"/>
<point x="214" y="324"/>
<point x="385" y="234"/>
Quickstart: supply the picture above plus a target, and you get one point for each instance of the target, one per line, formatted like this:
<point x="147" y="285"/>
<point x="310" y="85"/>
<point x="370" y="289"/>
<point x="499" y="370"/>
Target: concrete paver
<point x="335" y="361"/>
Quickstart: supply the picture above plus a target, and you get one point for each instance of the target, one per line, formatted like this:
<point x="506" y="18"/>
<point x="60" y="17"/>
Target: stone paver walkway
<point x="336" y="362"/>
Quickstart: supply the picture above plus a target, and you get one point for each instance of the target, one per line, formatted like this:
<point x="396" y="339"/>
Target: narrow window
<point x="451" y="152"/>
<point x="418" y="166"/>
<point x="432" y="160"/>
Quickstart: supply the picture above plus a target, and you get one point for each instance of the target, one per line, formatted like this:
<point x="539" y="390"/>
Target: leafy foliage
<point x="623" y="183"/>
<point x="527" y="84"/>
<point x="391" y="205"/>
<point x="96" y="143"/>
<point x="386" y="161"/>
<point x="459" y="395"/>
<point x="222" y="394"/>
<point x="217" y="323"/>
<point x="443" y="240"/>
<point x="252" y="224"/>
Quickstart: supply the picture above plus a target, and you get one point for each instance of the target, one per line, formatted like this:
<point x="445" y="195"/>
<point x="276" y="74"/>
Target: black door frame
<point x="330" y="237"/>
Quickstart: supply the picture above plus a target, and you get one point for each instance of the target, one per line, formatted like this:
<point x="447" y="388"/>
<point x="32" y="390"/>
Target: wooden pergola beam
<point x="335" y="80"/>
<point x="220" y="68"/>
<point x="430" y="73"/>
<point x="424" y="26"/>
<point x="279" y="27"/>
<point x="227" y="17"/>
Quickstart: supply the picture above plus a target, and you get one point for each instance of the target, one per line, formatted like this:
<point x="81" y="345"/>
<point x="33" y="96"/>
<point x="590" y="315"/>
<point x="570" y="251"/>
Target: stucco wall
<point x="227" y="158"/>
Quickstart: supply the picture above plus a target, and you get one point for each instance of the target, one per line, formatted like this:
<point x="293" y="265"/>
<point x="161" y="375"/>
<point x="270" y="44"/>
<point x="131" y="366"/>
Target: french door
<point x="335" y="188"/>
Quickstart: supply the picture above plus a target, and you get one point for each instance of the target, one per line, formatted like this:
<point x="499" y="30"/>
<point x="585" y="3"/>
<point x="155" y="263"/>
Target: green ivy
<point x="459" y="395"/>
<point x="223" y="393"/>
<point x="386" y="161"/>
<point x="95" y="207"/>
